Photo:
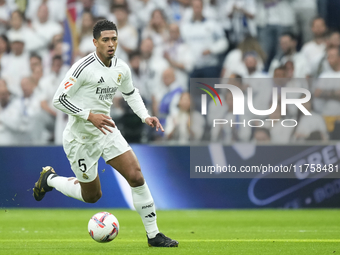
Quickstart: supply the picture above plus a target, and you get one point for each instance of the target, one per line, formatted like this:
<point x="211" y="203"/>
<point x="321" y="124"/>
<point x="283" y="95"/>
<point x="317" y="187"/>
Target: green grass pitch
<point x="61" y="231"/>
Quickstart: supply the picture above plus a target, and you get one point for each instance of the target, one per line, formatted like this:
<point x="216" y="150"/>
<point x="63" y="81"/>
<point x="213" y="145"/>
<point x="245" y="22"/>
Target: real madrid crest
<point x="119" y="78"/>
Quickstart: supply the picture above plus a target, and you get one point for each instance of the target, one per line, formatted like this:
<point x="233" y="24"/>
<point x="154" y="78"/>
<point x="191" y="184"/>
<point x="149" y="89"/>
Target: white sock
<point x="143" y="202"/>
<point x="68" y="186"/>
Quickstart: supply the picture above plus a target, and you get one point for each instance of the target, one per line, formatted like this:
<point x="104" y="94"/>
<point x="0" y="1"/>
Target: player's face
<point x="107" y="44"/>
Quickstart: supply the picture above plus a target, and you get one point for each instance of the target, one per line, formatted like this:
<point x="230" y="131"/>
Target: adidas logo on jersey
<point x="101" y="80"/>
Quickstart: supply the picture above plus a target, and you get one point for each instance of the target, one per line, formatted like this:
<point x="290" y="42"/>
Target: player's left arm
<point x="132" y="97"/>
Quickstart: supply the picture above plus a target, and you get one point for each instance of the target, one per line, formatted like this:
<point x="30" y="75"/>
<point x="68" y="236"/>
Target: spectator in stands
<point x="169" y="101"/>
<point x="221" y="112"/>
<point x="241" y="14"/>
<point x="37" y="74"/>
<point x="205" y="46"/>
<point x="7" y="112"/>
<point x="50" y="81"/>
<point x="18" y="25"/>
<point x="5" y="12"/>
<point x="121" y="4"/>
<point x="57" y="48"/>
<point x="273" y="18"/>
<point x="322" y="65"/>
<point x="176" y="10"/>
<point x="279" y="78"/>
<point x="250" y="60"/>
<point x="97" y="8"/>
<point x="304" y="12"/>
<point x="327" y="92"/>
<point x="289" y="74"/>
<point x="128" y="35"/>
<point x="184" y="125"/>
<point x="56" y="76"/>
<point x="138" y="79"/>
<point x="57" y="9"/>
<point x="122" y="114"/>
<point x="334" y="62"/>
<point x="17" y="64"/>
<point x="35" y="60"/>
<point x="233" y="62"/>
<point x="19" y="118"/>
<point x="310" y="127"/>
<point x="30" y="112"/>
<point x="231" y="132"/>
<point x="158" y="28"/>
<point x="85" y="33"/>
<point x="314" y="50"/>
<point x="289" y="67"/>
<point x="152" y="66"/>
<point x="141" y="11"/>
<point x="258" y="81"/>
<point x="44" y="27"/>
<point x="48" y="86"/>
<point x="177" y="53"/>
<point x="124" y="3"/>
<point x="288" y="52"/>
<point x="209" y="11"/>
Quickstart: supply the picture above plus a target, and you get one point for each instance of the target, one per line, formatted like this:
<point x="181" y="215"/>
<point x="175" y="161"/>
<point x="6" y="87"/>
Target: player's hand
<point x="101" y="121"/>
<point x="154" y="122"/>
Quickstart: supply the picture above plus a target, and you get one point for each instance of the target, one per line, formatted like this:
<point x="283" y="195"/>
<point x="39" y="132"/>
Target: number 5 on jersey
<point x="82" y="165"/>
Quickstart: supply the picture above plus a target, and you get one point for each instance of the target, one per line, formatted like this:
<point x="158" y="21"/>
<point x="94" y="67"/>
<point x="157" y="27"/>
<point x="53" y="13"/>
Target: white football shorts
<point x="84" y="157"/>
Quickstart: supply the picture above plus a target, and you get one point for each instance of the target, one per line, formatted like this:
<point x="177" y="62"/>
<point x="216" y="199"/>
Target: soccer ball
<point x="103" y="227"/>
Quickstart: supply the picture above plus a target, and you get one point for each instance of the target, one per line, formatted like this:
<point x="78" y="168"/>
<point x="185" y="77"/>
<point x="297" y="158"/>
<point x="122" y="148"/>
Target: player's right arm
<point x="64" y="97"/>
<point x="64" y="100"/>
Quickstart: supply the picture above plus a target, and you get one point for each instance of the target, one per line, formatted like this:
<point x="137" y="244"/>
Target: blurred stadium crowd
<point x="166" y="42"/>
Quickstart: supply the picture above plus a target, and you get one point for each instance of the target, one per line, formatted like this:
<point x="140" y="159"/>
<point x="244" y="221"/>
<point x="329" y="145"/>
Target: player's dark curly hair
<point x="103" y="25"/>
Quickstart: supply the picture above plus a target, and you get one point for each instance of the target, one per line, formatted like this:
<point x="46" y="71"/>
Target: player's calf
<point x="91" y="191"/>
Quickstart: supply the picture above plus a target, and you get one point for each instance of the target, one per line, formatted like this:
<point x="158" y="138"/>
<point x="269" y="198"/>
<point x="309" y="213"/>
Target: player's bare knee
<point x="136" y="179"/>
<point x="93" y="198"/>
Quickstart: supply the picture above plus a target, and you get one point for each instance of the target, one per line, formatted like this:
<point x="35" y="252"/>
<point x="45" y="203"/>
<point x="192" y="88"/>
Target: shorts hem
<point x="84" y="180"/>
<point x="116" y="155"/>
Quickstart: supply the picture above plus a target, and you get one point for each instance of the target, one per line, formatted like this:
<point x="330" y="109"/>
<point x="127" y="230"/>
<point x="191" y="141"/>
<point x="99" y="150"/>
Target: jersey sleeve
<point x="132" y="97"/>
<point x="64" y="97"/>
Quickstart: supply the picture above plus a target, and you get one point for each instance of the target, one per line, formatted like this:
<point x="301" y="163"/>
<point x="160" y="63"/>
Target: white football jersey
<point x="89" y="86"/>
